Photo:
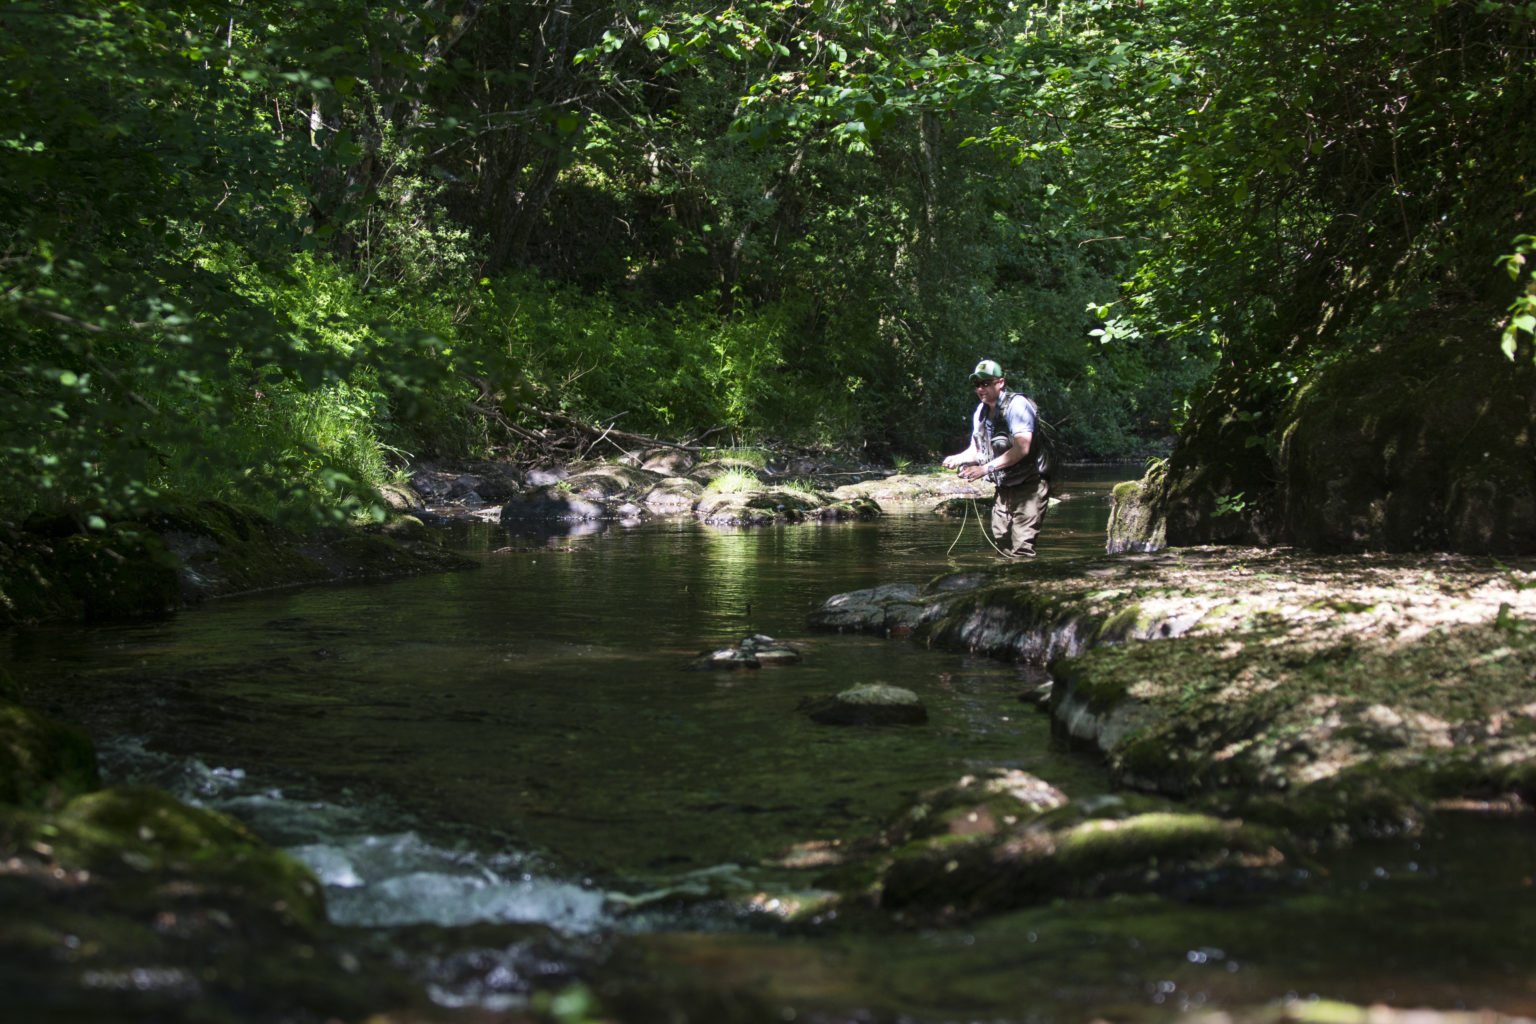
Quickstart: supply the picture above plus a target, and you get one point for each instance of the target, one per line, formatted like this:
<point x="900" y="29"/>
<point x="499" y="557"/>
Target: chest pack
<point x="1039" y="462"/>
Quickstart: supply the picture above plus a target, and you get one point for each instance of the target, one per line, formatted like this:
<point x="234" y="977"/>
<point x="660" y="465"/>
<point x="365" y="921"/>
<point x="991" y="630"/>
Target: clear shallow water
<point x="524" y="743"/>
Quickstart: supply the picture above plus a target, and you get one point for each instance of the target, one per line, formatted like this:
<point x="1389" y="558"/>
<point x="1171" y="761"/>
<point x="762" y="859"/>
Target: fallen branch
<point x="602" y="433"/>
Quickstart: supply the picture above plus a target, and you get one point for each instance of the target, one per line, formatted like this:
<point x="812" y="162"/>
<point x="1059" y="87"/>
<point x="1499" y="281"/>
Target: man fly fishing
<point x="1007" y="447"/>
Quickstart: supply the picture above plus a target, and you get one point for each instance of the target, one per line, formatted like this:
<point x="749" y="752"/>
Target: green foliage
<point x="1230" y="504"/>
<point x="378" y="232"/>
<point x="1522" y="312"/>
<point x="735" y="481"/>
<point x="127" y="344"/>
<point x="756" y="457"/>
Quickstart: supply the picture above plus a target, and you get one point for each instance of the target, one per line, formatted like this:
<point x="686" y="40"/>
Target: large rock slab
<point x="1337" y="695"/>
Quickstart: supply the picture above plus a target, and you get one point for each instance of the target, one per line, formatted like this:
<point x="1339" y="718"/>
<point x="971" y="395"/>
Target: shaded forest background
<point x="279" y="253"/>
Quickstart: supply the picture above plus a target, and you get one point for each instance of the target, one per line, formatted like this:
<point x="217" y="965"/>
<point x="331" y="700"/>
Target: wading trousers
<point x="1016" y="517"/>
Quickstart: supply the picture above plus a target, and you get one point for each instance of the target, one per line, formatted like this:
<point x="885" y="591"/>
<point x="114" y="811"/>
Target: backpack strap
<point x="1038" y="462"/>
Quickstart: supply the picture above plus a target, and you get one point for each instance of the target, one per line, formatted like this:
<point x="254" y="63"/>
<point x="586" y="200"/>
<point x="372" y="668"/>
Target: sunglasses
<point x="977" y="382"/>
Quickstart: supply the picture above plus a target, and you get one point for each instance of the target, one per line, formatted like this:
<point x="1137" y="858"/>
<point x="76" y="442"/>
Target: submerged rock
<point x="753" y="652"/>
<point x="868" y="704"/>
<point x="770" y="651"/>
<point x="726" y="658"/>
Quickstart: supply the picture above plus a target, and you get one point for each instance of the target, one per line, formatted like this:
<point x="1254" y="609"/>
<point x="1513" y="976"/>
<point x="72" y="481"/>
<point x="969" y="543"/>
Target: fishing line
<point x="980" y="526"/>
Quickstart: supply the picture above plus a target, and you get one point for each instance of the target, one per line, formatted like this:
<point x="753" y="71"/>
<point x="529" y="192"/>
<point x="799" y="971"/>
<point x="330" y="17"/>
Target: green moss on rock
<point x="57" y="569"/>
<point x="1136" y="518"/>
<point x="10" y="690"/>
<point x="42" y="762"/>
<point x="129" y="831"/>
<point x="867" y="704"/>
<point x="1117" y="846"/>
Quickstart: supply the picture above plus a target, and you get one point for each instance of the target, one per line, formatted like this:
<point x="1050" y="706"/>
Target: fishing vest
<point x="1033" y="466"/>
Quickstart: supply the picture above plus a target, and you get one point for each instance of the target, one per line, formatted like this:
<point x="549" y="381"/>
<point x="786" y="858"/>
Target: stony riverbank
<point x="721" y="490"/>
<point x="1253" y="706"/>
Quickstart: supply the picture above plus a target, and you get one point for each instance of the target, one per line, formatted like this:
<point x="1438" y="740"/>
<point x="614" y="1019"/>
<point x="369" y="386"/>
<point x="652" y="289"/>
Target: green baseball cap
<point x="986" y="370"/>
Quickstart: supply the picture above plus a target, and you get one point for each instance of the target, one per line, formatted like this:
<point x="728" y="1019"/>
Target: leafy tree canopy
<point x="251" y="252"/>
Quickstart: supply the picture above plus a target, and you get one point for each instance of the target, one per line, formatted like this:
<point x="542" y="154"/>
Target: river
<point x="527" y="744"/>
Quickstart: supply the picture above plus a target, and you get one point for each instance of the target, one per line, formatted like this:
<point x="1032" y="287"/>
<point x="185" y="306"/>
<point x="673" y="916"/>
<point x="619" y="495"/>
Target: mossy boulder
<point x="1137" y="521"/>
<point x="553" y="504"/>
<point x="604" y="480"/>
<point x="59" y="569"/>
<point x="710" y="469"/>
<point x="140" y="833"/>
<point x="890" y="609"/>
<point x="867" y="704"/>
<point x="978" y="805"/>
<point x="757" y="506"/>
<point x="1323" y="734"/>
<point x="1096" y="848"/>
<point x="765" y="505"/>
<point x="858" y="507"/>
<point x="1219" y="484"/>
<point x="943" y="486"/>
<point x="42" y="762"/>
<point x="222" y="549"/>
<point x="10" y="690"/>
<point x="1338" y="695"/>
<point x="126" y="904"/>
<point x="674" y="494"/>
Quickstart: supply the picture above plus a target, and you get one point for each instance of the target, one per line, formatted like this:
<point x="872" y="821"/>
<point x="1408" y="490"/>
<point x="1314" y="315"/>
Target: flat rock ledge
<point x="1335" y="696"/>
